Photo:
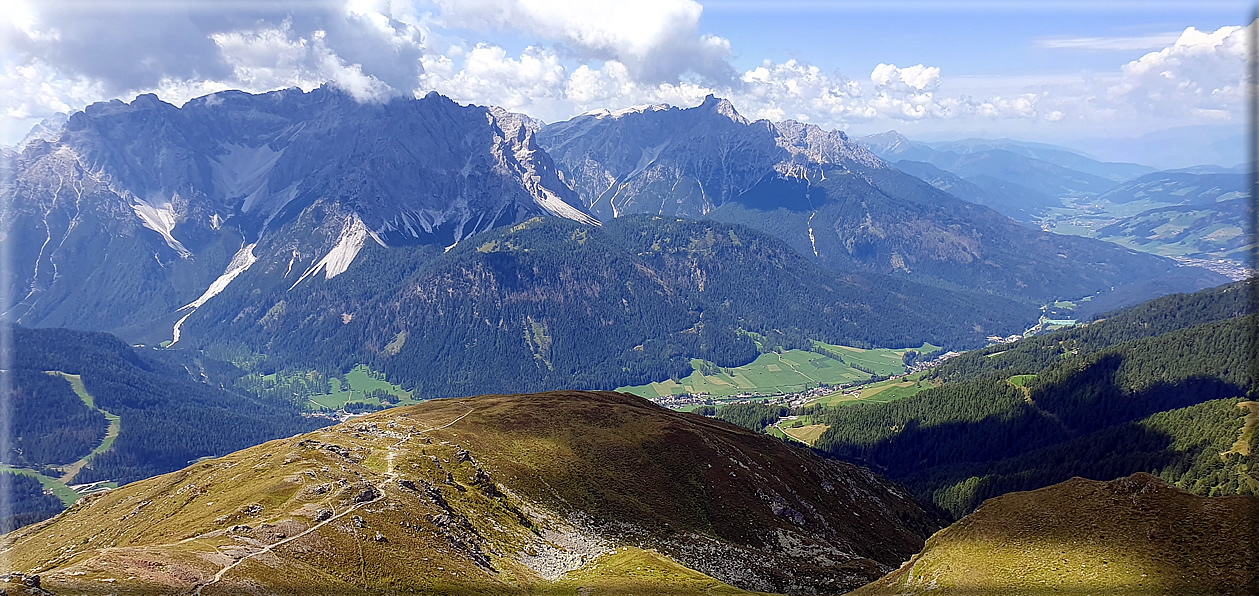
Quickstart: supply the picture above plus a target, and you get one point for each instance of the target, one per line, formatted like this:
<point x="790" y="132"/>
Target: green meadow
<point x="790" y="371"/>
<point x="876" y="393"/>
<point x="361" y="385"/>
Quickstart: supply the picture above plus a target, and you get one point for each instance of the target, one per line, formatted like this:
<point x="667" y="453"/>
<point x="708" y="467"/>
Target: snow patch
<point x="606" y="113"/>
<point x="161" y="219"/>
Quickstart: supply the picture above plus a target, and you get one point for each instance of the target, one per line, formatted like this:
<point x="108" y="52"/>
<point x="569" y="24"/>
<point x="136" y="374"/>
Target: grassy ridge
<point x="1134" y="536"/>
<point x="553" y="493"/>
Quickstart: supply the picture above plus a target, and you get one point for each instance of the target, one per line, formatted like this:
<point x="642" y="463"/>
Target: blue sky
<point x="997" y="39"/>
<point x="1053" y="71"/>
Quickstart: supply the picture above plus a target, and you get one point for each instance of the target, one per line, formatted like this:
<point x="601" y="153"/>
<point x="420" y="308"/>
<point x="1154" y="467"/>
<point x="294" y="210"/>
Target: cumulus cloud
<point x="370" y="48"/>
<point x="919" y="78"/>
<point x="655" y="40"/>
<point x="489" y="76"/>
<point x="58" y="55"/>
<point x="1203" y="71"/>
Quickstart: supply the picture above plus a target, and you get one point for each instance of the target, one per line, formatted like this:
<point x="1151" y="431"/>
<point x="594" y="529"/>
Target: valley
<point x="780" y="374"/>
<point x="293" y="341"/>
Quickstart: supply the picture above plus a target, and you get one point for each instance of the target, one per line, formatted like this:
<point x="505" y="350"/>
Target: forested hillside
<point x="552" y="303"/>
<point x="167" y="416"/>
<point x="1164" y="387"/>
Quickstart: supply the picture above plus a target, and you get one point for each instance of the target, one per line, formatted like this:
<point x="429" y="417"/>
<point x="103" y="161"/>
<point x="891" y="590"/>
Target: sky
<point x="1063" y="71"/>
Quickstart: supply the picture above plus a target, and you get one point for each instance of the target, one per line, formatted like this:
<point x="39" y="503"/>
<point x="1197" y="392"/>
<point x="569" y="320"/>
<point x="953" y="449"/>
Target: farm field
<point x="807" y="434"/>
<point x="1021" y="381"/>
<point x="880" y="360"/>
<point x="358" y="383"/>
<point x="876" y="393"/>
<point x="791" y="371"/>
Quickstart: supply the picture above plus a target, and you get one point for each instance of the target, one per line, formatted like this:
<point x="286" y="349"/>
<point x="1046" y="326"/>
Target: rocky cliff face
<point x="686" y="161"/>
<point x="158" y="207"/>
<point x="834" y="200"/>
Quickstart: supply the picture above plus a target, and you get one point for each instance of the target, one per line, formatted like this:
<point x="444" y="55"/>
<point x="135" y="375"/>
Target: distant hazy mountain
<point x="1179" y="147"/>
<point x="1198" y="212"/>
<point x="1012" y="200"/>
<point x="1054" y="154"/>
<point x="1192" y="186"/>
<point x="1020" y="179"/>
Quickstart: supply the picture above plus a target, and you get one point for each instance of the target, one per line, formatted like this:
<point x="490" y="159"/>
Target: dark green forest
<point x="554" y="304"/>
<point x="1129" y="392"/>
<point x="168" y="418"/>
<point x="1152" y="388"/>
<point x="27" y="502"/>
<point x="51" y="425"/>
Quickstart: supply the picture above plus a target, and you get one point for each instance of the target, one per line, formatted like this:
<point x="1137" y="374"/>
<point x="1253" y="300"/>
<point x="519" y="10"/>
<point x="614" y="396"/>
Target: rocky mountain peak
<point x="722" y="106"/>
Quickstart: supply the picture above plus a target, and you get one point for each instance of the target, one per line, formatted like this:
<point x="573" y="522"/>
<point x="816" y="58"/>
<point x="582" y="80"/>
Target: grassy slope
<point x="589" y="472"/>
<point x="877" y="393"/>
<point x="807" y="434"/>
<point x="1134" y="535"/>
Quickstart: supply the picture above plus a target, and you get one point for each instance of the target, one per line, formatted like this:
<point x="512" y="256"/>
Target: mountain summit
<point x="563" y="492"/>
<point x="666" y="160"/>
<point x="159" y="208"/>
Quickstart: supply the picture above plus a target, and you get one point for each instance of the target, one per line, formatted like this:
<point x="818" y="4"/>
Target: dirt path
<point x="379" y="487"/>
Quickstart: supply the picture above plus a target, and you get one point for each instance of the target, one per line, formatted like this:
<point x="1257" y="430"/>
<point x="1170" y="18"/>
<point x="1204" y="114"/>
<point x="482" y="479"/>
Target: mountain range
<point x="253" y="252"/>
<point x="270" y="224"/>
<point x="1019" y="179"/>
<point x="830" y="198"/>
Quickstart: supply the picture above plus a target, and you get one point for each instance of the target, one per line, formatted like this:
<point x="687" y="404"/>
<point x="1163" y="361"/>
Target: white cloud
<point x="918" y="77"/>
<point x="656" y="40"/>
<point x="1201" y="73"/>
<point x="489" y="76"/>
<point x="370" y="48"/>
<point x="36" y="90"/>
<point x="58" y="56"/>
<point x="1152" y="41"/>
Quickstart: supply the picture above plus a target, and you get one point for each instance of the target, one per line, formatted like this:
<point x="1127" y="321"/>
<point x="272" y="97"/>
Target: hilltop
<point x="560" y="492"/>
<point x="1134" y="535"/>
